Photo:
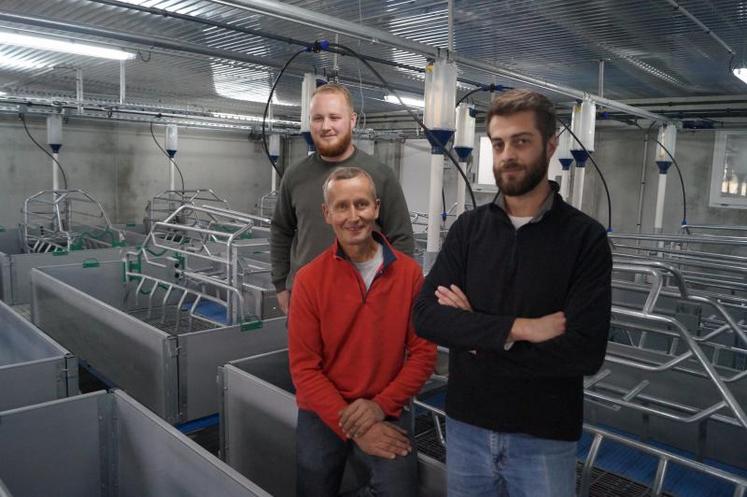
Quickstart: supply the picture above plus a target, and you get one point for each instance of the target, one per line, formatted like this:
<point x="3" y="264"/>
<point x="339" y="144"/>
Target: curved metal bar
<point x="52" y="222"/>
<point x="650" y="266"/>
<point x="727" y="317"/>
<point x="698" y="416"/>
<point x="695" y="349"/>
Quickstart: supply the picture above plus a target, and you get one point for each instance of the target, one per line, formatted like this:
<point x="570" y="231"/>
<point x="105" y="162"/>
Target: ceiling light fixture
<point x="57" y="45"/>
<point x="408" y="101"/>
<point x="741" y="73"/>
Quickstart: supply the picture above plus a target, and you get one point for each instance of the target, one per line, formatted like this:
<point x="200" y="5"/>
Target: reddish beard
<point x="335" y="148"/>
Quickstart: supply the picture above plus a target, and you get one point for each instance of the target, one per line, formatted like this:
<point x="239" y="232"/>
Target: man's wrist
<point x="518" y="331"/>
<point x="381" y="404"/>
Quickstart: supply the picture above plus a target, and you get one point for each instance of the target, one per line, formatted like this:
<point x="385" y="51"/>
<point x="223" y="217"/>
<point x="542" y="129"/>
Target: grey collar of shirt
<point x="500" y="201"/>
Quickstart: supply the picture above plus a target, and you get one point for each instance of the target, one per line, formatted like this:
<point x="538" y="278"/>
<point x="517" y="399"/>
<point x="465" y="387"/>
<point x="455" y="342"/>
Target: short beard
<point x="334" y="150"/>
<point x="534" y="175"/>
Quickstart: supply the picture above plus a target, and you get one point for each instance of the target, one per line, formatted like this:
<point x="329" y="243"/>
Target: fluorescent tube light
<point x="409" y="101"/>
<point x="57" y="45"/>
<point x="741" y="73"/>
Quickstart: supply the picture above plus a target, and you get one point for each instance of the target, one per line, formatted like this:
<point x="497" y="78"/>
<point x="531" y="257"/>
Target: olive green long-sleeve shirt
<point x="299" y="232"/>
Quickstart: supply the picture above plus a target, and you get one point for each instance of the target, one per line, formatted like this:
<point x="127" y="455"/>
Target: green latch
<point x="88" y="263"/>
<point x="251" y="325"/>
<point x="179" y="260"/>
<point x="130" y="225"/>
<point x="57" y="252"/>
<point x="2" y="229"/>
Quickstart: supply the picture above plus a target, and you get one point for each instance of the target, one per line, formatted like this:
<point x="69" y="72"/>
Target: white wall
<point x="120" y="165"/>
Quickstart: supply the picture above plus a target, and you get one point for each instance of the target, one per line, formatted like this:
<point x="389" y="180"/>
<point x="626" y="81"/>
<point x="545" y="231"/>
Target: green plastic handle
<point x="251" y="325"/>
<point x="89" y="263"/>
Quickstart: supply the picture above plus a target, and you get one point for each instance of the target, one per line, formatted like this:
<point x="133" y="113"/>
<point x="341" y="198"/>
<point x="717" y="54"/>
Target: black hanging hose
<point x="604" y="182"/>
<point x="318" y="46"/>
<point x="181" y="176"/>
<point x="682" y="184"/>
<point x="269" y="101"/>
<point x="679" y="174"/>
<point x="491" y="88"/>
<point x="412" y="114"/>
<point x="56" y="162"/>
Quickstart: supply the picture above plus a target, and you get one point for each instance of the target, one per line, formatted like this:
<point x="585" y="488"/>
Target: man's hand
<point x="384" y="440"/>
<point x="453" y="297"/>
<point x="529" y="330"/>
<point x="359" y="416"/>
<point x="284" y="300"/>
<point x="539" y="329"/>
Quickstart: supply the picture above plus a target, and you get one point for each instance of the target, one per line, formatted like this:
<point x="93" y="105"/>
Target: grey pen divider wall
<point x="258" y="427"/>
<point x="33" y="367"/>
<point x="16" y="265"/>
<point x="107" y="445"/>
<point x="88" y="310"/>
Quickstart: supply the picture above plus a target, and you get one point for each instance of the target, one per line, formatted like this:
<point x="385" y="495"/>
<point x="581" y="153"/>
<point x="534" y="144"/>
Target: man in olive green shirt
<point x="298" y="230"/>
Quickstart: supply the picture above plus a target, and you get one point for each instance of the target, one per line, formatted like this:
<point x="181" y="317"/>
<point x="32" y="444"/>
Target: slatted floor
<point x="603" y="483"/>
<point x="168" y="324"/>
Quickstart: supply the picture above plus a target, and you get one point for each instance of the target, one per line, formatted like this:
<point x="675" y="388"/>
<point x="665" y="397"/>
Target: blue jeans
<point x="485" y="463"/>
<point x="321" y="456"/>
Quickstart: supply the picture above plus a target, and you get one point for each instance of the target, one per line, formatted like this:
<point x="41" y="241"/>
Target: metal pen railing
<point x="162" y="205"/>
<point x="267" y="203"/>
<point x="65" y="220"/>
<point x="692" y="353"/>
<point x="205" y="258"/>
<point x="665" y="459"/>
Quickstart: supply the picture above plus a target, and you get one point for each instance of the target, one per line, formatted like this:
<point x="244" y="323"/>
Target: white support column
<point x="461" y="190"/>
<point x="122" y="82"/>
<point x="55" y="172"/>
<point x="661" y="195"/>
<point x="578" y="187"/>
<point x="172" y="174"/>
<point x="565" y="185"/>
<point x="434" y="204"/>
<point x="79" y="89"/>
<point x="54" y="140"/>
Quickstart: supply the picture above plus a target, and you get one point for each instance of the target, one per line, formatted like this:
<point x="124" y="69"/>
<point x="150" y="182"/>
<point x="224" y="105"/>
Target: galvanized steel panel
<point x="154" y="459"/>
<point x="201" y="353"/>
<point x="260" y="430"/>
<point x="106" y="444"/>
<point x="130" y="353"/>
<point x="33" y="368"/>
<point x="52" y="448"/>
<point x="259" y="427"/>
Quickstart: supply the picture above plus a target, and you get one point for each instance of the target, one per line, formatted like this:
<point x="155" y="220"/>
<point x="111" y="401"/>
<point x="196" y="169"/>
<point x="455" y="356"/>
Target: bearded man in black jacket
<point x="521" y="296"/>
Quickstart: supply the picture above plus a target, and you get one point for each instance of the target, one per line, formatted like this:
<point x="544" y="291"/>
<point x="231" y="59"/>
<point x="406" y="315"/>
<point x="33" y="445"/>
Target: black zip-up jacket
<point x="558" y="262"/>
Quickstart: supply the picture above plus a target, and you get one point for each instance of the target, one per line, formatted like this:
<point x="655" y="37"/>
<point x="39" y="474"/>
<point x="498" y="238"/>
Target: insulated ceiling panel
<point x="214" y="56"/>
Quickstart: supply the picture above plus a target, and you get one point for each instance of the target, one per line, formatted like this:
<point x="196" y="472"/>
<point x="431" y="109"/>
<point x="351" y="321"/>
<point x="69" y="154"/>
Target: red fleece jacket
<point x="346" y="343"/>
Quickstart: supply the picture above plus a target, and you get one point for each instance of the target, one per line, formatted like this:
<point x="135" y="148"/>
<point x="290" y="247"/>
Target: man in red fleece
<point x="354" y="355"/>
